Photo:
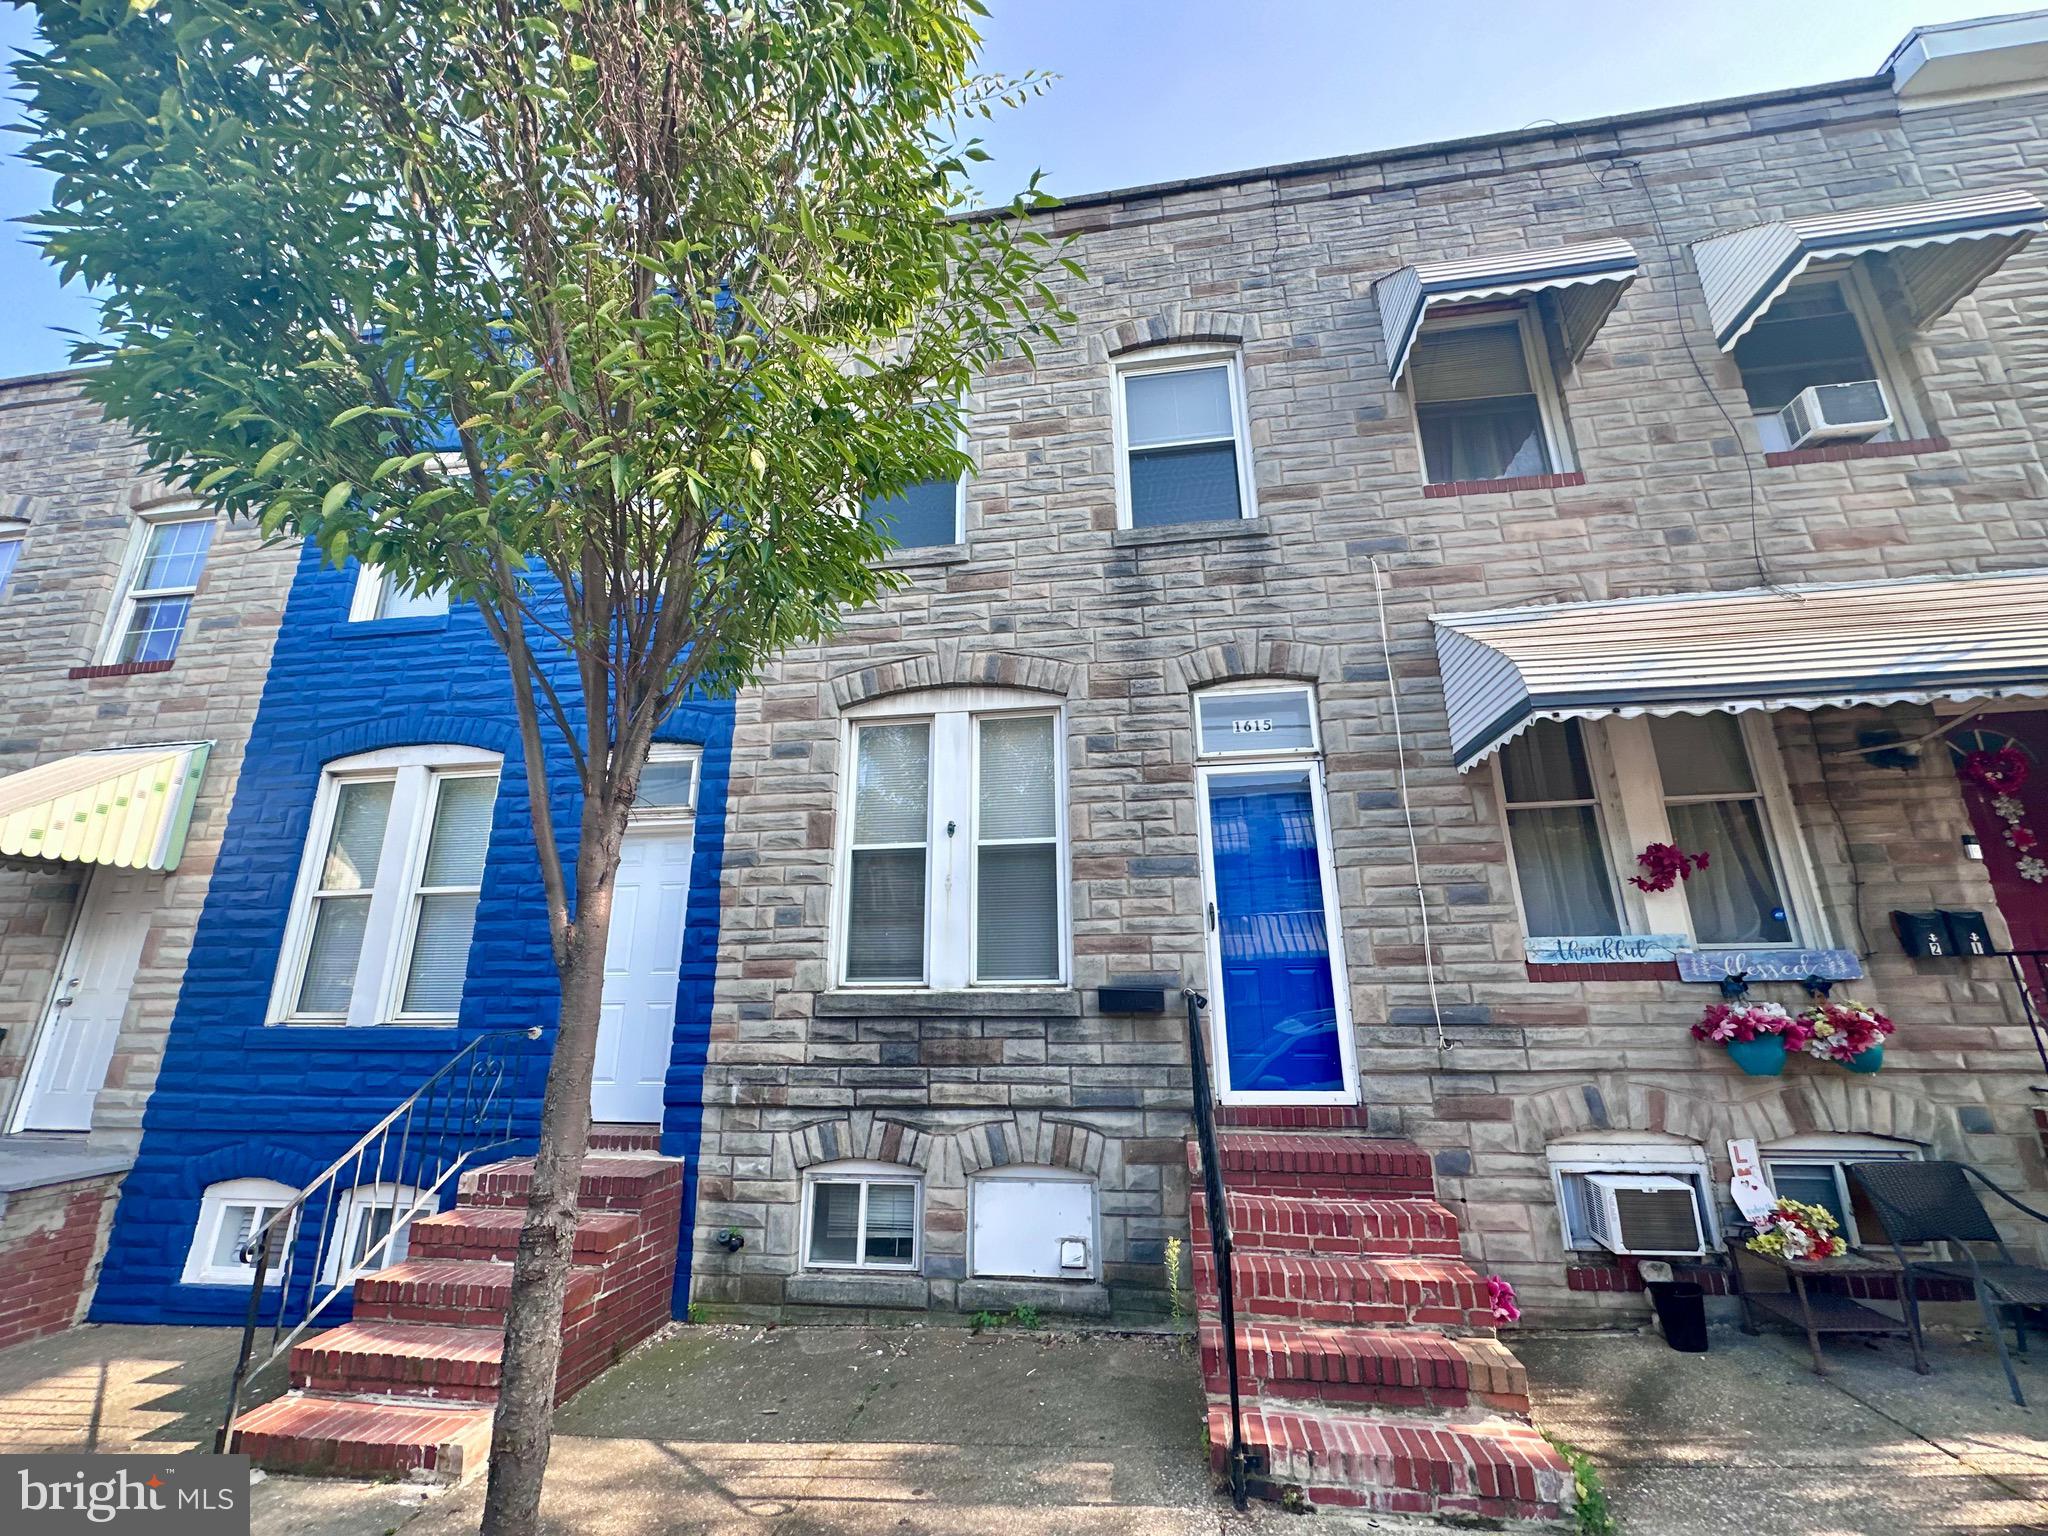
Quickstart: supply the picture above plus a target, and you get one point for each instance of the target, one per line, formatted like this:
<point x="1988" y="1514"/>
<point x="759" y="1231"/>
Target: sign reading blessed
<point x="1606" y="949"/>
<point x="1769" y="964"/>
<point x="1256" y="722"/>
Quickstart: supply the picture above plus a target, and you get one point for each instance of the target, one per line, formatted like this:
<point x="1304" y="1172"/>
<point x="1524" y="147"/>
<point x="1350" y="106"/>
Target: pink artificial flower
<point x="1501" y="1293"/>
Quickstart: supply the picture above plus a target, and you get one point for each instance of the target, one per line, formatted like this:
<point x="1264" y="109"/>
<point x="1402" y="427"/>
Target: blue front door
<point x="1277" y="968"/>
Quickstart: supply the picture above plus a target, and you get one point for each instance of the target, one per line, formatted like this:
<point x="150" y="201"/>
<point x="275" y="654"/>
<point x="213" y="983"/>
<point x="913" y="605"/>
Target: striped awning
<point x="1590" y="278"/>
<point x="1938" y="252"/>
<point x="1874" y="642"/>
<point x="127" y="807"/>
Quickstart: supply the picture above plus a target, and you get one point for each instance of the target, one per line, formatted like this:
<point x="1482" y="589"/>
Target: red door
<point x="2003" y="763"/>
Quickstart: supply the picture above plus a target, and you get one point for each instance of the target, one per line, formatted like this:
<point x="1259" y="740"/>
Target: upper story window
<point x="230" y="1214"/>
<point x="1825" y="329"/>
<point x="158" y="582"/>
<point x="1485" y="403"/>
<point x="387" y="893"/>
<point x="1583" y="798"/>
<point x="379" y="595"/>
<point x="1184" y="454"/>
<point x="10" y="552"/>
<point x="953" y="869"/>
<point x="928" y="514"/>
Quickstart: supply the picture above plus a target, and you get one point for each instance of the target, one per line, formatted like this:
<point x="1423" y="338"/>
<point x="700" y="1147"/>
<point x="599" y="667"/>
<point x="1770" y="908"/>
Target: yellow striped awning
<point x="127" y="807"/>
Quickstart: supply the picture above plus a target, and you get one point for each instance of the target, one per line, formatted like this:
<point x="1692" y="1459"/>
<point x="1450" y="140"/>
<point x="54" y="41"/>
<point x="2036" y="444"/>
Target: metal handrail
<point x="1219" y="1229"/>
<point x="463" y="1110"/>
<point x="2029" y="1008"/>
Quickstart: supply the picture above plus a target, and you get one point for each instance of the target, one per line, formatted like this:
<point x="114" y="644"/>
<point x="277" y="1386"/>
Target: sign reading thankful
<point x="1606" y="949"/>
<point x="1769" y="964"/>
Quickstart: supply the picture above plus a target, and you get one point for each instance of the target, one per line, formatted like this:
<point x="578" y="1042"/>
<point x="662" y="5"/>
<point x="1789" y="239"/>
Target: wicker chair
<point x="1934" y="1203"/>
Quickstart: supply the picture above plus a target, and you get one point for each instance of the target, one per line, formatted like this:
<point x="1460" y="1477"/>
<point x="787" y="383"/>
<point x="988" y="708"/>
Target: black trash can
<point x="1682" y="1313"/>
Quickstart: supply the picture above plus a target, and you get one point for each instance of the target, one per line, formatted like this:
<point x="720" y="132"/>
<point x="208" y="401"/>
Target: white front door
<point x="88" y="1002"/>
<point x="637" y="1028"/>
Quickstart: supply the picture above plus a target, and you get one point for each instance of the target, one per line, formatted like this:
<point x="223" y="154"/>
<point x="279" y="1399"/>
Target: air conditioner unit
<point x="1643" y="1213"/>
<point x="1836" y="413"/>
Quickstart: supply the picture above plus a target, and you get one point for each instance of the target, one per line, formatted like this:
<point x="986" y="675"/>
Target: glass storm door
<point x="1280" y="1019"/>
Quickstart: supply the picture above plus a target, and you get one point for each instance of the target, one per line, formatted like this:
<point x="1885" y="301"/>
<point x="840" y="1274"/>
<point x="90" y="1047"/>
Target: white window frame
<point x="375" y="587"/>
<point x="1039" y="1174"/>
<point x="1622" y="759"/>
<point x="416" y="774"/>
<point x="1606" y="816"/>
<point x="265" y="1195"/>
<point x="1184" y="357"/>
<point x="1676" y="1159"/>
<point x="864" y="1174"/>
<point x="909" y="551"/>
<point x="1223" y="765"/>
<point x="1535" y="357"/>
<point x="1836" y="1152"/>
<point x="1860" y="298"/>
<point x="954" y="716"/>
<point x="127" y="596"/>
<point x="352" y="1210"/>
<point x="683" y="815"/>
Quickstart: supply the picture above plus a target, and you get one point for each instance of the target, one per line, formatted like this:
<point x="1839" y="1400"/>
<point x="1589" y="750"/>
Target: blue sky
<point x="1152" y="90"/>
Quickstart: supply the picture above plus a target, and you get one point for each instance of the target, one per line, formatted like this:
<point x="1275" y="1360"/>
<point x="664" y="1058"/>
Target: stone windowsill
<point x="922" y="556"/>
<point x="121" y="669"/>
<point x="1179" y="533"/>
<point x="1442" y="488"/>
<point x="1048" y="1002"/>
<point x="858" y="1288"/>
<point x="1904" y="448"/>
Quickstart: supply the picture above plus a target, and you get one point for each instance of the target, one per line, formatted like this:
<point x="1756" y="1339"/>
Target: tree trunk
<point x="523" y="1428"/>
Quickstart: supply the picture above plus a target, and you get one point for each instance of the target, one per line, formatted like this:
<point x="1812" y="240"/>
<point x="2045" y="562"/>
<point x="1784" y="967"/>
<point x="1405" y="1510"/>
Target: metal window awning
<point x="1589" y="279"/>
<point x="125" y="807"/>
<point x="1938" y="251"/>
<point x="1877" y="642"/>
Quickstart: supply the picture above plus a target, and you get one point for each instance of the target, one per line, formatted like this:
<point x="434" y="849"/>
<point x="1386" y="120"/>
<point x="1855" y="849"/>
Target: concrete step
<point x="469" y="1293"/>
<point x="385" y="1359"/>
<point x="1407" y="1369"/>
<point x="347" y="1437"/>
<point x="1296" y="1163"/>
<point x="1328" y="1226"/>
<point x="1495" y="1470"/>
<point x="492" y="1232"/>
<point x="609" y="1183"/>
<point x="1368" y="1291"/>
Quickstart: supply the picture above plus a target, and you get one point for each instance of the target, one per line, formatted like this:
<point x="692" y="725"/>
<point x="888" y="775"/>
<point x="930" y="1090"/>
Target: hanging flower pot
<point x="1869" y="1059"/>
<point x="1753" y="1032"/>
<point x="1850" y="1034"/>
<point x="1762" y="1057"/>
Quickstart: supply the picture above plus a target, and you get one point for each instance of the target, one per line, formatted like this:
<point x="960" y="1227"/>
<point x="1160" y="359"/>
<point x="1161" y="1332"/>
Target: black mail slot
<point x="1923" y="934"/>
<point x="1131" y="999"/>
<point x="1968" y="933"/>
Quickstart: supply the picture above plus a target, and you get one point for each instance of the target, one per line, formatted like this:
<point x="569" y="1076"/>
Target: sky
<point x="1155" y="90"/>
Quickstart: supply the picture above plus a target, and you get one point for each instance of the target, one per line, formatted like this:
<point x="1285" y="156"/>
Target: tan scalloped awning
<point x="1868" y="642"/>
<point x="126" y="807"/>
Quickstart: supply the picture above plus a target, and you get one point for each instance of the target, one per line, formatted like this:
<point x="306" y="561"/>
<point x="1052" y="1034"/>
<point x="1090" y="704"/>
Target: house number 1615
<point x="1249" y="727"/>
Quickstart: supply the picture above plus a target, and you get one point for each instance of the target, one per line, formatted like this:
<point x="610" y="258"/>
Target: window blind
<point x="1471" y="363"/>
<point x="1017" y="871"/>
<point x="885" y="921"/>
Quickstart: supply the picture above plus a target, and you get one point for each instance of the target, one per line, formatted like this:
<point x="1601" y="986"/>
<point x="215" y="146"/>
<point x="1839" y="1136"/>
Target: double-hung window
<point x="954" y="863"/>
<point x="1824" y="329"/>
<point x="388" y="891"/>
<point x="925" y="515"/>
<point x="161" y="578"/>
<point x="1583" y="798"/>
<point x="860" y="1216"/>
<point x="379" y="595"/>
<point x="1484" y="401"/>
<point x="1182" y="445"/>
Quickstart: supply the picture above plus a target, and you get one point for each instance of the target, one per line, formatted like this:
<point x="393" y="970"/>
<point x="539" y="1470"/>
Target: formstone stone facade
<point x="1483" y="1058"/>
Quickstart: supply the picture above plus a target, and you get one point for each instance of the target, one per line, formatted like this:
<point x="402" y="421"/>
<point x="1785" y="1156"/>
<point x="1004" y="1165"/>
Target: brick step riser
<point x="624" y="1192"/>
<point x="431" y="1384"/>
<point x="1434" y="1401"/>
<point x="1330" y="1186"/>
<point x="1251" y="1237"/>
<point x="1360" y="1304"/>
<point x="1365" y="1377"/>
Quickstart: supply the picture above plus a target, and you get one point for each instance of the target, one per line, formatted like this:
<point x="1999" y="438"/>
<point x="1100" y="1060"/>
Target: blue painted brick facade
<point x="239" y="1099"/>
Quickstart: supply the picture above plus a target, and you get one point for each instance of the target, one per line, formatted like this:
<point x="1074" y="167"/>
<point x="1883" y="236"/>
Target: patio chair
<point x="1934" y="1203"/>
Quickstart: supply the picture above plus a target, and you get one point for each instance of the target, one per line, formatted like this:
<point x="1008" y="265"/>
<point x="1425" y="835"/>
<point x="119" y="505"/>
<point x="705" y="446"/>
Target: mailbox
<point x="1923" y="934"/>
<point x="1968" y="933"/>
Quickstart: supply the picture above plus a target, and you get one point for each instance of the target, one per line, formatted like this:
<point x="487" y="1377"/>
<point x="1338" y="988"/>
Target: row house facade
<point x="1396" y="548"/>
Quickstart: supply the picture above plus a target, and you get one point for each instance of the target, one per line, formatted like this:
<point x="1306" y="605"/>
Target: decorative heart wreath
<point x="2001" y="771"/>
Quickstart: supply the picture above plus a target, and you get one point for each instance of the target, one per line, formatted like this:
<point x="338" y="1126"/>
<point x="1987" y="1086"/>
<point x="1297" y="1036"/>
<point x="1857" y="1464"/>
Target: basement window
<point x="861" y="1216"/>
<point x="1815" y="1171"/>
<point x="230" y="1214"/>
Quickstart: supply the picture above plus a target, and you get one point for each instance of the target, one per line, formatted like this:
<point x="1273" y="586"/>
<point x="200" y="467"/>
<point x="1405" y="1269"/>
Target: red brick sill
<point x="1841" y="451"/>
<point x="1640" y="970"/>
<point x="1444" y="488"/>
<point x="122" y="669"/>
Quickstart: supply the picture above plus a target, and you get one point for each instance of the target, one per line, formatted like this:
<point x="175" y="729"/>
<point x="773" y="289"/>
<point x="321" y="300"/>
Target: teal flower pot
<point x="1869" y="1059"/>
<point x="1762" y="1057"/>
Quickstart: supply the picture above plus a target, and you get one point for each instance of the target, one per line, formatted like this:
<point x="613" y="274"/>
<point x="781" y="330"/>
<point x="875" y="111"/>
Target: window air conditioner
<point x="1643" y="1213"/>
<point x="1836" y="413"/>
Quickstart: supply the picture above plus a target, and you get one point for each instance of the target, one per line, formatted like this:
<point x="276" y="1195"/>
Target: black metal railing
<point x="2032" y="990"/>
<point x="361" y="1206"/>
<point x="1215" y="1204"/>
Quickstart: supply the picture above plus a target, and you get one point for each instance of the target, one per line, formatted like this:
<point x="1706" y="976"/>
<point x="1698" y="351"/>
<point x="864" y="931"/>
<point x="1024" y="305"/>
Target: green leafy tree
<point x="602" y="313"/>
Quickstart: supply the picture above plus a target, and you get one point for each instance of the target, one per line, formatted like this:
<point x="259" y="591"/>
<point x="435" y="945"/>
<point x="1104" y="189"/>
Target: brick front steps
<point x="406" y="1388"/>
<point x="1368" y="1369"/>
